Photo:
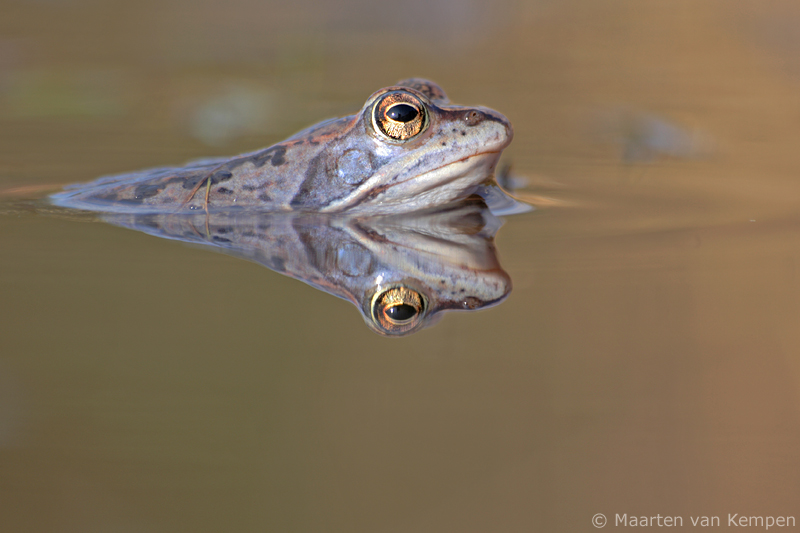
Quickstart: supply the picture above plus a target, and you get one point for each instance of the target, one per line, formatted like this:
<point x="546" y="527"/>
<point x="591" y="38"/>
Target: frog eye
<point x="399" y="115"/>
<point x="398" y="310"/>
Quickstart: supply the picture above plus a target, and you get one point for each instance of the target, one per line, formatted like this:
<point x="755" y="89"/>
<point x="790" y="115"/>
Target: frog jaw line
<point x="424" y="190"/>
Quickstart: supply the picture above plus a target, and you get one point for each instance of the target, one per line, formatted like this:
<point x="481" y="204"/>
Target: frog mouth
<point x="445" y="183"/>
<point x="437" y="185"/>
<point x="456" y="176"/>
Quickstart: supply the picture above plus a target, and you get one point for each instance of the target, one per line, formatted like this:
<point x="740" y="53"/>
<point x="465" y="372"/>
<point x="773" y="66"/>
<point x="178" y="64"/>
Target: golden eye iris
<point x="398" y="310"/>
<point x="400" y="116"/>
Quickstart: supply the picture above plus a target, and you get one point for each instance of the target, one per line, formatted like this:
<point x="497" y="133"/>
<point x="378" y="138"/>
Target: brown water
<point x="647" y="361"/>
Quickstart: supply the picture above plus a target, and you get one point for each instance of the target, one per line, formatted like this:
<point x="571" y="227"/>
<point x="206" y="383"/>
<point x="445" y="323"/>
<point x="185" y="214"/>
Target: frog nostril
<point x="474" y="118"/>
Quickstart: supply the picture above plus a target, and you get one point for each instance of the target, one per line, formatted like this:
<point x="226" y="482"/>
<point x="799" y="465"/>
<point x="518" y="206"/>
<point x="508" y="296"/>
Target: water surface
<point x="645" y="362"/>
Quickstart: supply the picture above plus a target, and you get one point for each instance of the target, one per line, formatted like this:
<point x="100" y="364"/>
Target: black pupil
<point x="402" y="113"/>
<point x="401" y="312"/>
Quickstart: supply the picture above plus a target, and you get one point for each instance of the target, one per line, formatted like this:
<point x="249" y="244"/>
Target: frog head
<point x="407" y="149"/>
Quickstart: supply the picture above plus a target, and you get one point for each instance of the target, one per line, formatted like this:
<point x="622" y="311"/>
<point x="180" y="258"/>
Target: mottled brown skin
<point x="344" y="164"/>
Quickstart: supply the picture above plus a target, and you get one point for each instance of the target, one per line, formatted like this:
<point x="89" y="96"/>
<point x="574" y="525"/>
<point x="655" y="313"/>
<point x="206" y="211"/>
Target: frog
<point x="407" y="149"/>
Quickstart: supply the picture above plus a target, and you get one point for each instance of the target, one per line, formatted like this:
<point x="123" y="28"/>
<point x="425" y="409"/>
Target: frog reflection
<point x="402" y="272"/>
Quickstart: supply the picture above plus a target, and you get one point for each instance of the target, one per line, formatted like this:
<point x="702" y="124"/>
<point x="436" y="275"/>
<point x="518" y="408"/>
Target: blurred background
<point x="648" y="360"/>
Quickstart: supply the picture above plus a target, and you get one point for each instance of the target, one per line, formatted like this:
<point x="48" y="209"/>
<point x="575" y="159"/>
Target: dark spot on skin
<point x="148" y="221"/>
<point x="201" y="178"/>
<point x="276" y="263"/>
<point x="273" y="154"/>
<point x="444" y="144"/>
<point x="278" y="159"/>
<point x="224" y="190"/>
<point x="215" y="177"/>
<point x="220" y="176"/>
<point x="147" y="190"/>
<point x="191" y="182"/>
<point x="223" y="231"/>
<point x="217" y="238"/>
<point x="463" y="133"/>
<point x="264" y="197"/>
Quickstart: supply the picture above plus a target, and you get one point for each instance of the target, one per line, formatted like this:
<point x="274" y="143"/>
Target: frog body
<point x="406" y="149"/>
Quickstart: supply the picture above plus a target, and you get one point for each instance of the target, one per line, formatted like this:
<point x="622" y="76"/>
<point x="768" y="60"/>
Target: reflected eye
<point x="398" y="310"/>
<point x="399" y="115"/>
